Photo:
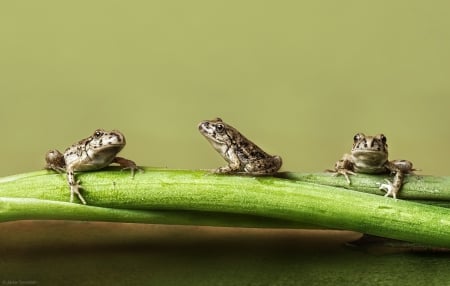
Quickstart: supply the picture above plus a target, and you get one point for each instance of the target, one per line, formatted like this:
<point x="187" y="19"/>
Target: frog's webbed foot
<point x="231" y="168"/>
<point x="343" y="167"/>
<point x="226" y="170"/>
<point x="389" y="188"/>
<point x="343" y="172"/>
<point x="399" y="168"/>
<point x="57" y="169"/>
<point x="74" y="186"/>
<point x="128" y="165"/>
<point x="133" y="170"/>
<point x="75" y="189"/>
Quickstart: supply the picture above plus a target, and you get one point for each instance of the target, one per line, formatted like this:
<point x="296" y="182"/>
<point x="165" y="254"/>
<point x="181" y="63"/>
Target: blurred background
<point x="299" y="78"/>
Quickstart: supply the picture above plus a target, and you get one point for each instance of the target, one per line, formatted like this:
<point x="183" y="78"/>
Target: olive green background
<point x="299" y="78"/>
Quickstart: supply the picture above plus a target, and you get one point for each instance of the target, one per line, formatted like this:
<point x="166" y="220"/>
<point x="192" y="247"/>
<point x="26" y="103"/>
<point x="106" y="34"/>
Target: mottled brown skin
<point x="242" y="155"/>
<point x="370" y="155"/>
<point x="93" y="153"/>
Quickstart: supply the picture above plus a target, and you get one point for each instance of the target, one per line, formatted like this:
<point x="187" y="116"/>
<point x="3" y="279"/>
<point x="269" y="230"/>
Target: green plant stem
<point x="12" y="209"/>
<point x="421" y="188"/>
<point x="276" y="198"/>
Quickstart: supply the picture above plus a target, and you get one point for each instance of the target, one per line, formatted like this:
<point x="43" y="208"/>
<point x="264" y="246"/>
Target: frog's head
<point x="105" y="143"/>
<point x="217" y="132"/>
<point x="370" y="146"/>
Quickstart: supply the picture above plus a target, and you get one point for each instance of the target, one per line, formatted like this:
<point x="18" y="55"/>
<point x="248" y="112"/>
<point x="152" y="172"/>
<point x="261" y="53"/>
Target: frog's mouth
<point x="362" y="151"/>
<point x="201" y="126"/>
<point x="112" y="148"/>
<point x="211" y="135"/>
<point x="104" y="149"/>
<point x="370" y="155"/>
<point x="204" y="128"/>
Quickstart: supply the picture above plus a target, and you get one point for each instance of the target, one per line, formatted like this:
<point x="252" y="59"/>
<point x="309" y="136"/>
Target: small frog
<point x="95" y="152"/>
<point x="242" y="155"/>
<point x="370" y="155"/>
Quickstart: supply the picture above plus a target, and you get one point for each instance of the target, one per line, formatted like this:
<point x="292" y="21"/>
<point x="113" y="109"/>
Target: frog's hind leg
<point x="127" y="165"/>
<point x="404" y="165"/>
<point x="55" y="161"/>
<point x="264" y="166"/>
<point x="232" y="168"/>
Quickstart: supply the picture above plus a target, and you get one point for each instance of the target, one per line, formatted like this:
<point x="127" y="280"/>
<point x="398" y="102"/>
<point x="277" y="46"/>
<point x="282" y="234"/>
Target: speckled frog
<point x="370" y="155"/>
<point x="242" y="155"/>
<point x="93" y="153"/>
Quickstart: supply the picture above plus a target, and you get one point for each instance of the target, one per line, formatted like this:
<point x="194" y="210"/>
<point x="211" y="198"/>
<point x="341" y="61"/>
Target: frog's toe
<point x="226" y="170"/>
<point x="345" y="173"/>
<point x="133" y="170"/>
<point x="55" y="168"/>
<point x="75" y="189"/>
<point x="389" y="188"/>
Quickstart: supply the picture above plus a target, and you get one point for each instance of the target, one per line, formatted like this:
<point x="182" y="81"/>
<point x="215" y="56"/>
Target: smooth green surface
<point x="199" y="191"/>
<point x="415" y="187"/>
<point x="13" y="209"/>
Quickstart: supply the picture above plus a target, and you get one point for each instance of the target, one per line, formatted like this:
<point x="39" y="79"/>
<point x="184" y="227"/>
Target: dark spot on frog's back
<point x="257" y="154"/>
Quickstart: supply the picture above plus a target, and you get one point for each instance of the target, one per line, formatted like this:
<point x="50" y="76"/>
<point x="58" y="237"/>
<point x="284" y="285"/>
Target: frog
<point x="92" y="153"/>
<point x="243" y="156"/>
<point x="369" y="155"/>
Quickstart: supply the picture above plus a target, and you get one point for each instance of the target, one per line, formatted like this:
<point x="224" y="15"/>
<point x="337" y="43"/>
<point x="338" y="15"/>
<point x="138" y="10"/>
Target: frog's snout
<point x="203" y="125"/>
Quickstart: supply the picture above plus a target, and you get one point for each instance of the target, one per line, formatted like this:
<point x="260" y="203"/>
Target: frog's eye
<point x="98" y="133"/>
<point x="357" y="137"/>
<point x="383" y="138"/>
<point x="220" y="128"/>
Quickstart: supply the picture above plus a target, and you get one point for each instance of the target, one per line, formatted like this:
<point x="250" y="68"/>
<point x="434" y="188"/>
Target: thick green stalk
<point x="276" y="198"/>
<point x="416" y="187"/>
<point x="12" y="209"/>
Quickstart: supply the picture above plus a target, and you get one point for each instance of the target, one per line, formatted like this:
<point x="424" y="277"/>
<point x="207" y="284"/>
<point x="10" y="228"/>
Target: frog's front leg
<point x="344" y="167"/>
<point x="234" y="164"/>
<point x="399" y="168"/>
<point x="74" y="186"/>
<point x="127" y="164"/>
